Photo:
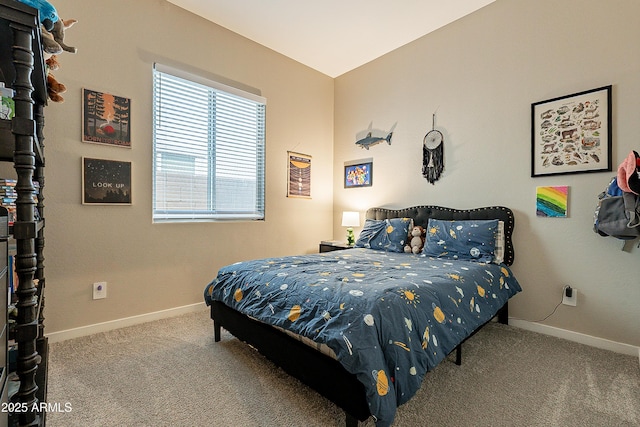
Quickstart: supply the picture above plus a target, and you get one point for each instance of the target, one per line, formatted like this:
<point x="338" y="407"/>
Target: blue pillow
<point x="385" y="234"/>
<point x="465" y="240"/>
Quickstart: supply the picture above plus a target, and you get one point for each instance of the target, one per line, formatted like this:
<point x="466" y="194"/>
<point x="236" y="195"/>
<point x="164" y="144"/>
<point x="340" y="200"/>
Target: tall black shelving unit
<point x="22" y="143"/>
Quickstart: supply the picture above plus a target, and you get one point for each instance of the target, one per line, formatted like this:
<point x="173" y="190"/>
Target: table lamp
<point x="350" y="220"/>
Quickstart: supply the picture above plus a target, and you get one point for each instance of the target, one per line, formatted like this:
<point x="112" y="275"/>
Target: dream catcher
<point x="432" y="154"/>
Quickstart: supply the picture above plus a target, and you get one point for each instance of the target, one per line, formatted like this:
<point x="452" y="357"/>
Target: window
<point x="208" y="149"/>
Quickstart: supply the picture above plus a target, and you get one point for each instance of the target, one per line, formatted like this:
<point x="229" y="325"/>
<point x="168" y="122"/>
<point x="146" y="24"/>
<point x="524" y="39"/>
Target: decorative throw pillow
<point x="498" y="253"/>
<point x="385" y="234"/>
<point x="472" y="240"/>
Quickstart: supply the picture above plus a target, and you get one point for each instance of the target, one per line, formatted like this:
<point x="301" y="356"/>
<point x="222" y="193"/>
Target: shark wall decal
<point x="370" y="140"/>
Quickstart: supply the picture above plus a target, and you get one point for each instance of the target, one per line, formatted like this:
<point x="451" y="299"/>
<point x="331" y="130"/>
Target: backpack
<point x="617" y="213"/>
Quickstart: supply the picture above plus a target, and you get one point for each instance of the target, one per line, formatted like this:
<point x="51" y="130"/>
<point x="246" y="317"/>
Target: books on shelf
<point x="7" y="104"/>
<point x="12" y="275"/>
<point x="8" y="195"/>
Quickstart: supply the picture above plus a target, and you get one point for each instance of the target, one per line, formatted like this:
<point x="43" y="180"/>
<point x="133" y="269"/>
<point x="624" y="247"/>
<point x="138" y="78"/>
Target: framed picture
<point x="106" y="182"/>
<point x="358" y="175"/>
<point x="572" y="134"/>
<point x="299" y="175"/>
<point x="106" y="119"/>
<point x="552" y="201"/>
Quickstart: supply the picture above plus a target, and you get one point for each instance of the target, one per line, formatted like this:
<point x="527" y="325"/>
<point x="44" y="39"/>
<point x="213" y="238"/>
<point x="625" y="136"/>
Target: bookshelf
<point x="22" y="145"/>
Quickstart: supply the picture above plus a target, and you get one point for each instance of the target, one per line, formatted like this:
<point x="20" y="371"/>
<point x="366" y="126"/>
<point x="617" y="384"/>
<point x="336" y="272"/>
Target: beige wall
<point x="480" y="75"/>
<point x="154" y="267"/>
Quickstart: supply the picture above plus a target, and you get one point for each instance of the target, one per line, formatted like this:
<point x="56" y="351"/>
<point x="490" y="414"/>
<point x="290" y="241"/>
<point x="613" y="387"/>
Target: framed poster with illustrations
<point x="106" y="182"/>
<point x="358" y="174"/>
<point x="572" y="134"/>
<point x="299" y="175"/>
<point x="106" y="119"/>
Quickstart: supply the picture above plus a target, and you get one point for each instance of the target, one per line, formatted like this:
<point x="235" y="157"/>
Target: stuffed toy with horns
<point x="58" y="33"/>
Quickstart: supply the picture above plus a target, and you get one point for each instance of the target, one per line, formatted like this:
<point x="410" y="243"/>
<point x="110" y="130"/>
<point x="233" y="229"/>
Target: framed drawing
<point x="572" y="134"/>
<point x="106" y="182"/>
<point x="358" y="174"/>
<point x="299" y="175"/>
<point x="106" y="119"/>
<point x="552" y="201"/>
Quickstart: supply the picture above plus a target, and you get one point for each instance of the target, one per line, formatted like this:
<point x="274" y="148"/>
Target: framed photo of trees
<point x="106" y="119"/>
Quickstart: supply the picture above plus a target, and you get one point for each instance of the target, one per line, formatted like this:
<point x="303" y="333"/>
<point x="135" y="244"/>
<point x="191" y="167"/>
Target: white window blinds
<point x="208" y="149"/>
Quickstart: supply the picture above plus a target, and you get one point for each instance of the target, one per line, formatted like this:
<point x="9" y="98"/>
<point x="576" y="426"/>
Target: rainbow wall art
<point x="552" y="201"/>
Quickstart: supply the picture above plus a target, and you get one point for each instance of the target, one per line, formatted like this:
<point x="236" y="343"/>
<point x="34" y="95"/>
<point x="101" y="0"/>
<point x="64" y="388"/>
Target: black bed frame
<point x="312" y="367"/>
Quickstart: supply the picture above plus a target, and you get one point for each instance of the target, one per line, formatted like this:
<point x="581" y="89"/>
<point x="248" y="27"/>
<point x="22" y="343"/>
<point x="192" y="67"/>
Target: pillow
<point x="465" y="240"/>
<point x="498" y="253"/>
<point x="385" y="234"/>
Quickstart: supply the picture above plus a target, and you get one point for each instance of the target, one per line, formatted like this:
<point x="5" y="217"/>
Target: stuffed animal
<point x="55" y="88"/>
<point x="48" y="13"/>
<point x="58" y="33"/>
<point x="49" y="45"/>
<point x="416" y="243"/>
<point x="53" y="42"/>
<point x="52" y="63"/>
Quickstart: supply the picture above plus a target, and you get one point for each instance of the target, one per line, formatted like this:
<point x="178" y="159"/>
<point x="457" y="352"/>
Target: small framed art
<point x="358" y="175"/>
<point x="299" y="175"/>
<point x="106" y="182"/>
<point x="106" y="119"/>
<point x="552" y="201"/>
<point x="572" y="134"/>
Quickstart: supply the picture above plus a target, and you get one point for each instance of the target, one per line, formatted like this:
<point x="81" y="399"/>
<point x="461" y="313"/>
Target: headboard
<point x="421" y="215"/>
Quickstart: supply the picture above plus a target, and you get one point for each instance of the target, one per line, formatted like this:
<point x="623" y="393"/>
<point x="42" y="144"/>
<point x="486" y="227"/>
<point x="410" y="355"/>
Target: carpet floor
<point x="170" y="372"/>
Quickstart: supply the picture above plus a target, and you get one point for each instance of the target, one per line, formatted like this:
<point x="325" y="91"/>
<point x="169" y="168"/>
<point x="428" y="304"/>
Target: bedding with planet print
<point x="388" y="317"/>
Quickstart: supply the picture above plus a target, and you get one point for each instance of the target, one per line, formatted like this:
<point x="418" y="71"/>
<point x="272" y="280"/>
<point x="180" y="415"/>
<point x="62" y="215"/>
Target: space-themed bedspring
<point x="363" y="326"/>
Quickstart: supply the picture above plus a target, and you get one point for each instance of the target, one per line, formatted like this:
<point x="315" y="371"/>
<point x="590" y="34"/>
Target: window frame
<point x="211" y="213"/>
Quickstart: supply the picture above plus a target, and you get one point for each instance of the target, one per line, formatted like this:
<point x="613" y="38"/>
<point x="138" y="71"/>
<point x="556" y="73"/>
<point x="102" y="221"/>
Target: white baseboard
<point x="163" y="314"/>
<point x="577" y="337"/>
<point x="121" y="323"/>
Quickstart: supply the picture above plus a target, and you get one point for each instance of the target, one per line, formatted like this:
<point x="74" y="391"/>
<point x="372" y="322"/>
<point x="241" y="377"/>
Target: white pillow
<point x="498" y="252"/>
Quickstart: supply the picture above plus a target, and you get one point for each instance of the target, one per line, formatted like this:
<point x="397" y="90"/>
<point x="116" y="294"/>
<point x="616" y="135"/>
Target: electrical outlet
<point x="570" y="300"/>
<point x="99" y="290"/>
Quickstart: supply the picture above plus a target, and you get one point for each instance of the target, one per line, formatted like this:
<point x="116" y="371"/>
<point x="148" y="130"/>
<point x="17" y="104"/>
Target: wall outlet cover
<point x="572" y="300"/>
<point x="99" y="290"/>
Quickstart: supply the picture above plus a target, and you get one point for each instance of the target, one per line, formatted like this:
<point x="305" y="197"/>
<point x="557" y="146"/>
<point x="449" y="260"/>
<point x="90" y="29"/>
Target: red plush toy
<point x="54" y="88"/>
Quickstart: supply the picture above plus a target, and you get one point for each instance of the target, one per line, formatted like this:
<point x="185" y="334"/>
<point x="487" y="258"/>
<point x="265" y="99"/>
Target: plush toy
<point x="55" y="88"/>
<point x="53" y="42"/>
<point x="52" y="63"/>
<point x="49" y="45"/>
<point x="48" y="13"/>
<point x="58" y="33"/>
<point x="416" y="243"/>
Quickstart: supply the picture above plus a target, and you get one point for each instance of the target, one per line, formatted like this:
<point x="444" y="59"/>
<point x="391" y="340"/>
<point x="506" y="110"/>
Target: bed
<point x="363" y="326"/>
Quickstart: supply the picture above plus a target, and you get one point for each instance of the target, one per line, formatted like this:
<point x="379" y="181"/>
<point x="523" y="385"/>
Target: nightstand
<point x="333" y="245"/>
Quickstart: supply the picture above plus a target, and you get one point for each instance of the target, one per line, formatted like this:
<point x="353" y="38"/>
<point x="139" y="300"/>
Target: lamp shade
<point x="350" y="219"/>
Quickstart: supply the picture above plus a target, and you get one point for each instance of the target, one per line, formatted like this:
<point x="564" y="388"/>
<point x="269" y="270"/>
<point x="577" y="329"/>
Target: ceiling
<point x="332" y="36"/>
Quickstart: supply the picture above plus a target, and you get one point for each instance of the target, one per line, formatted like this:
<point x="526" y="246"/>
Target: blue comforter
<point x="389" y="317"/>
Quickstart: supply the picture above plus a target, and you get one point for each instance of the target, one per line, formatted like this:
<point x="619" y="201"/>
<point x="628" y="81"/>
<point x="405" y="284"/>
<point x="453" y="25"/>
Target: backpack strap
<point x="628" y="245"/>
<point x="632" y="208"/>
